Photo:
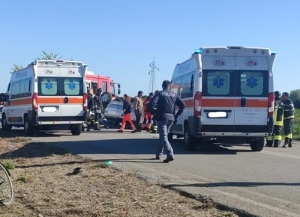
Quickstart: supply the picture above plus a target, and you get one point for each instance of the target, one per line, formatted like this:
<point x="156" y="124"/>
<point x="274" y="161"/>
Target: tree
<point x="44" y="56"/>
<point x="49" y="56"/>
<point x="295" y="97"/>
<point x="17" y="67"/>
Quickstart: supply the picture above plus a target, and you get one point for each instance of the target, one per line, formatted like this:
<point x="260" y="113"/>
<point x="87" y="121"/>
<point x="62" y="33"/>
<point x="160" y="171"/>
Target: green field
<point x="296" y="127"/>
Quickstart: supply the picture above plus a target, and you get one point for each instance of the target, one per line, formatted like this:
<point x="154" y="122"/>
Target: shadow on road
<point x="129" y="146"/>
<point x="20" y="133"/>
<point x="233" y="184"/>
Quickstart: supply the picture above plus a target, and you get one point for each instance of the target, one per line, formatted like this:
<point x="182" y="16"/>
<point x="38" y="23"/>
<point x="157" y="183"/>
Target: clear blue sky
<point x="120" y="38"/>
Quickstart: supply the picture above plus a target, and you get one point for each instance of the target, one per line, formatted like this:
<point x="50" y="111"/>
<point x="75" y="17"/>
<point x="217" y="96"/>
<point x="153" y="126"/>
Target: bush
<point x="296" y="127"/>
<point x="8" y="164"/>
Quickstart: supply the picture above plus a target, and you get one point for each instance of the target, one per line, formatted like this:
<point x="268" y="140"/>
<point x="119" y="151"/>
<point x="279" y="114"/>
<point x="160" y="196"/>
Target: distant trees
<point x="44" y="56"/>
<point x="295" y="97"/>
<point x="17" y="67"/>
<point x="49" y="56"/>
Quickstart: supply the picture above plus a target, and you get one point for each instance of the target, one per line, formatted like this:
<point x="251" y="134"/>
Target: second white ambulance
<point x="229" y="96"/>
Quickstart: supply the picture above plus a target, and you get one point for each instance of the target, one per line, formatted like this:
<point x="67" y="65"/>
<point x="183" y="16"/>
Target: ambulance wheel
<point x="29" y="129"/>
<point x="257" y="145"/>
<point x="189" y="140"/>
<point x="4" y="124"/>
<point x="76" y="131"/>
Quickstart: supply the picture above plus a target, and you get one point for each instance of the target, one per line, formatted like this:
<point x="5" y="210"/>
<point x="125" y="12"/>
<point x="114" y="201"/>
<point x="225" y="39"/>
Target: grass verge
<point x="50" y="182"/>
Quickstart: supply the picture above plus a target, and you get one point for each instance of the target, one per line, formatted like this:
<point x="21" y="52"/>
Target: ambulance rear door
<point x="217" y="112"/>
<point x="252" y="91"/>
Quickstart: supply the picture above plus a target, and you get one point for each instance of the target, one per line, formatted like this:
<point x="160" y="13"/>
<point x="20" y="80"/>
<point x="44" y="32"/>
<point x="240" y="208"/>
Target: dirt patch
<point x="50" y="182"/>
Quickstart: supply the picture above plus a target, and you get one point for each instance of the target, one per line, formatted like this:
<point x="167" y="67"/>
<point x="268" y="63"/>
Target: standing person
<point x="98" y="108"/>
<point x="288" y="115"/>
<point x="278" y="122"/>
<point x="154" y="125"/>
<point x="90" y="106"/>
<point x="163" y="103"/>
<point x="126" y="114"/>
<point x="138" y="108"/>
<point x="147" y="115"/>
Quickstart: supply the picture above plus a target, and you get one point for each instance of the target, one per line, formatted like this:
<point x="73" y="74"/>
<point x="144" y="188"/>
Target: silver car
<point x="113" y="113"/>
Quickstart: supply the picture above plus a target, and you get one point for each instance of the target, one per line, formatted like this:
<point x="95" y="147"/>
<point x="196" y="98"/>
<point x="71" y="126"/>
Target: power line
<point x="152" y="83"/>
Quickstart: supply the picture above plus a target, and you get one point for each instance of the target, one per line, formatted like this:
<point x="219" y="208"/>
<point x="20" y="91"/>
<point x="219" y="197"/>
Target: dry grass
<point x="46" y="185"/>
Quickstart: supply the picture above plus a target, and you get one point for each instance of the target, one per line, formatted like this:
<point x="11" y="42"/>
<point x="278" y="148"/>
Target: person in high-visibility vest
<point x="278" y="122"/>
<point x="288" y="116"/>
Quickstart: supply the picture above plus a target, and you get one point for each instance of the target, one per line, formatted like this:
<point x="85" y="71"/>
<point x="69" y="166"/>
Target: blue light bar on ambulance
<point x="198" y="51"/>
<point x="273" y="52"/>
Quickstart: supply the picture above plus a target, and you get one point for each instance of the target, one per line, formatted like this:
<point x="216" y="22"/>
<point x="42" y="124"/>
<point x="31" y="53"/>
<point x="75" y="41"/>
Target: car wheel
<point x="106" y="98"/>
<point x="4" y="123"/>
<point x="257" y="145"/>
<point x="76" y="131"/>
<point x="189" y="140"/>
<point x="29" y="130"/>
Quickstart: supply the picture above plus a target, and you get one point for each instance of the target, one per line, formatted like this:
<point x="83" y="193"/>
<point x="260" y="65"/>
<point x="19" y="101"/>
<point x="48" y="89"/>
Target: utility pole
<point x="152" y="83"/>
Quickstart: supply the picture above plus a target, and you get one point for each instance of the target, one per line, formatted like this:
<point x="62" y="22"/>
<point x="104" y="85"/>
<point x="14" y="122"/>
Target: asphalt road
<point x="262" y="183"/>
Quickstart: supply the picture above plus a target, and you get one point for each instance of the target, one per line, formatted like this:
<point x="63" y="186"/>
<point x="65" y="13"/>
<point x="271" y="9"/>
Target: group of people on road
<point x="283" y="118"/>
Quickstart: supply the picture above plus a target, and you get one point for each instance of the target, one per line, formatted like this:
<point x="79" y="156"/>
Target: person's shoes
<point x="168" y="159"/>
<point x="290" y="145"/>
<point x="284" y="146"/>
<point x="275" y="146"/>
<point x="139" y="130"/>
<point x="133" y="131"/>
<point x="157" y="157"/>
<point x="120" y="131"/>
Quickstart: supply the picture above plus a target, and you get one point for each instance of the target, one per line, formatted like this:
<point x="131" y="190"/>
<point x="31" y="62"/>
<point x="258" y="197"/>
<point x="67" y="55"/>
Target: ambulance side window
<point x="177" y="86"/>
<point x="187" y="85"/>
<point x="218" y="83"/>
<point x="15" y="90"/>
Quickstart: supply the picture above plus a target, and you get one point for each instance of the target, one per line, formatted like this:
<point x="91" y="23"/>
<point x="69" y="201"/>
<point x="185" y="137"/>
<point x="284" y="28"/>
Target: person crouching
<point x="126" y="114"/>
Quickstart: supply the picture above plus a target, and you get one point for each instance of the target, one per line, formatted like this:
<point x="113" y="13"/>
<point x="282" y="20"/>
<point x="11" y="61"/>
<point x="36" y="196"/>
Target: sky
<point x="120" y="38"/>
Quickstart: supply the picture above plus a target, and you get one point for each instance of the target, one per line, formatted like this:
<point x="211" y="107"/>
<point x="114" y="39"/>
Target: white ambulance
<point x="229" y="96"/>
<point x="46" y="95"/>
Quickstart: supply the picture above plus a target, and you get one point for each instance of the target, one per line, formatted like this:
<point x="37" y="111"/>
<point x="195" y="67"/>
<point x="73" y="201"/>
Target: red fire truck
<point x="107" y="85"/>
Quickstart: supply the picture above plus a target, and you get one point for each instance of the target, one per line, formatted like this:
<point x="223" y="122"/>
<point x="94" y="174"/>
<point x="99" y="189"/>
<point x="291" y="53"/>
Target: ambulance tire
<point x="29" y="129"/>
<point x="257" y="145"/>
<point x="189" y="140"/>
<point x="76" y="131"/>
<point x="4" y="124"/>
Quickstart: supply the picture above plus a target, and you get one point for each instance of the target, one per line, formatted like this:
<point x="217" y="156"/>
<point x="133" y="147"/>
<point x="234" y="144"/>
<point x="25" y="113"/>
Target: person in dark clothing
<point x="163" y="105"/>
<point x="275" y="138"/>
<point x="90" y="106"/>
<point x="98" y="108"/>
<point x="147" y="115"/>
<point x="126" y="114"/>
<point x="138" y="108"/>
<point x="154" y="125"/>
<point x="288" y="118"/>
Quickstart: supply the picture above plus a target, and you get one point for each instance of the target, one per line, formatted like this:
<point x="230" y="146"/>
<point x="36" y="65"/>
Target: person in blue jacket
<point x="163" y="105"/>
